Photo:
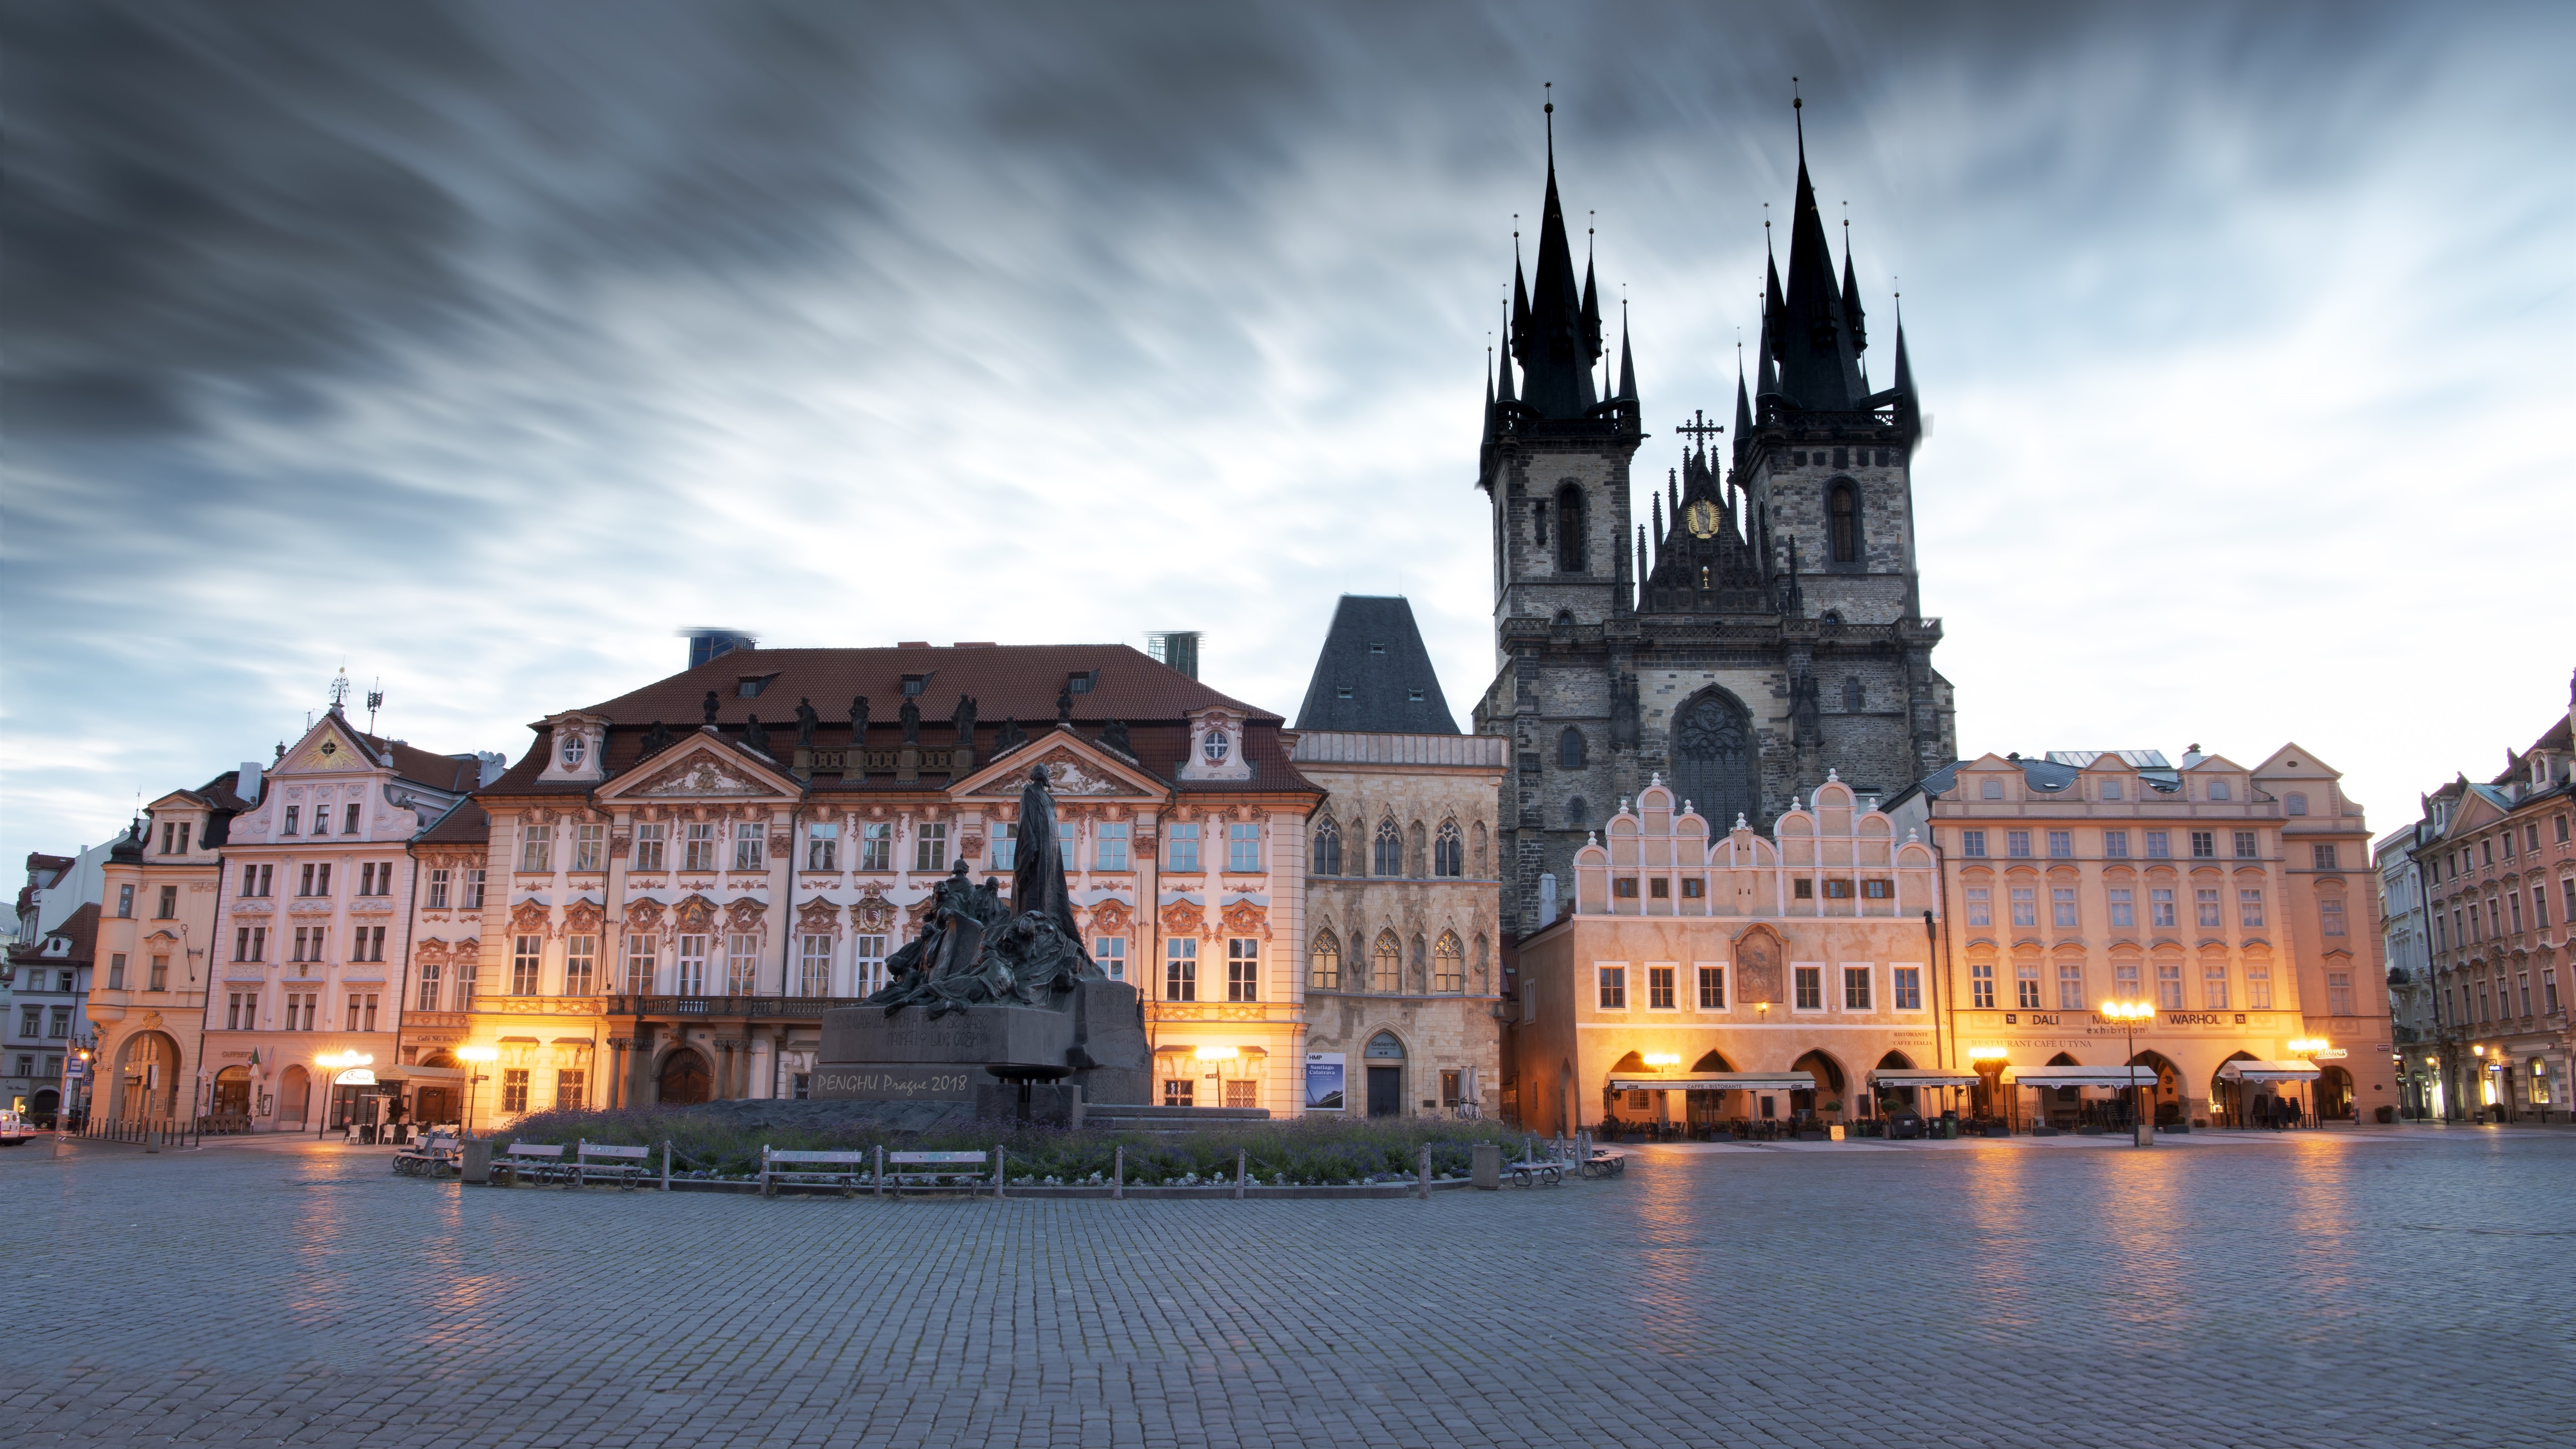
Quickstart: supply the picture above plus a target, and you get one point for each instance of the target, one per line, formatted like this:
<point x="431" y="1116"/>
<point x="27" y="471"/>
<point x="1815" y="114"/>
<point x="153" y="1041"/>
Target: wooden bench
<point x="427" y="1157"/>
<point x="1531" y="1171"/>
<point x="942" y="1170"/>
<point x="1605" y="1162"/>
<point x="623" y="1165"/>
<point x="531" y="1160"/>
<point x="845" y="1170"/>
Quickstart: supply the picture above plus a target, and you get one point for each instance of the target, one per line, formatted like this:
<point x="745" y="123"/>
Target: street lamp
<point x="480" y="1056"/>
<point x="339" y="1064"/>
<point x="2129" y="1014"/>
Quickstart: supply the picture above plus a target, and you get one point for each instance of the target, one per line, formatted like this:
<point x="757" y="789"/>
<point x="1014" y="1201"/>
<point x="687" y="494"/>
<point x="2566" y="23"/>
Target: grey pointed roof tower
<point x="1373" y="675"/>
<point x="1627" y="361"/>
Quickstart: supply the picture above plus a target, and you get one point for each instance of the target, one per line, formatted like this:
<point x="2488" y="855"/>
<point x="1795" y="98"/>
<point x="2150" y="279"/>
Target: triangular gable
<point x="1075" y="767"/>
<point x="2476" y="811"/>
<point x="331" y="745"/>
<point x="2215" y="762"/>
<point x="699" y="766"/>
<point x="2295" y="761"/>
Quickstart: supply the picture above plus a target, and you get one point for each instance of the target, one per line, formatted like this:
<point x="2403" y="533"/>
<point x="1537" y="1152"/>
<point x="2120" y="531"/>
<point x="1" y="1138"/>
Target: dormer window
<point x="1341" y="691"/>
<point x="575" y="749"/>
<point x="750" y="685"/>
<point x="1376" y="647"/>
<point x="914" y="684"/>
<point x="1414" y="695"/>
<point x="1080" y="682"/>
<point x="1216" y="746"/>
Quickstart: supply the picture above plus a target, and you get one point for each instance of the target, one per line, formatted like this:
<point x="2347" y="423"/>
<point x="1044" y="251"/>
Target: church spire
<point x="1819" y="365"/>
<point x="1852" y="317"/>
<point x="1627" y="361"/>
<point x="1560" y="340"/>
<point x="1743" y="408"/>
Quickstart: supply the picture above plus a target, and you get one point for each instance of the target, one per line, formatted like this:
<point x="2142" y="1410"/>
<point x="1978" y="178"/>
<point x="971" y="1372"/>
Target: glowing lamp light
<point x="479" y="1055"/>
<point x="1662" y="1059"/>
<point x="2304" y="1046"/>
<point x="2128" y="1010"/>
<point x="1217" y="1053"/>
<point x="343" y="1061"/>
<point x="1987" y="1054"/>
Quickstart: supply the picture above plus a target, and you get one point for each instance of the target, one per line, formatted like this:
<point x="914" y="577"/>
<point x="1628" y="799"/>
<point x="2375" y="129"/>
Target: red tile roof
<point x="81" y="926"/>
<point x="1007" y="682"/>
<point x="467" y="824"/>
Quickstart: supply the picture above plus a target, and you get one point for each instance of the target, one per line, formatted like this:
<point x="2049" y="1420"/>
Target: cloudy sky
<point x="476" y="349"/>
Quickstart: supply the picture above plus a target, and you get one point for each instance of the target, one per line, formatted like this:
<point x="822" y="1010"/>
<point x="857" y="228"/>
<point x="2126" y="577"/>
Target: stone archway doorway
<point x="147" y="1078"/>
<point x="684" y="1078"/>
<point x="1825" y="1099"/>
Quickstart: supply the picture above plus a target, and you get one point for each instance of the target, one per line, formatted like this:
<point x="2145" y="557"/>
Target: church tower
<point x="1766" y="631"/>
<point x="1554" y="468"/>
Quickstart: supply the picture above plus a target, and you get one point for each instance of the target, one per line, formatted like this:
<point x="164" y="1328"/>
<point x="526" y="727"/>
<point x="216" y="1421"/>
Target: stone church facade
<point x="1763" y="630"/>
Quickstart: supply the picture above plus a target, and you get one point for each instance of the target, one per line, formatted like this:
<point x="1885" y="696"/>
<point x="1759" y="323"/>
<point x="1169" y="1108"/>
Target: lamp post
<point x="2129" y="1014"/>
<point x="2304" y="1048"/>
<point x="1980" y="1058"/>
<point x="480" y="1056"/>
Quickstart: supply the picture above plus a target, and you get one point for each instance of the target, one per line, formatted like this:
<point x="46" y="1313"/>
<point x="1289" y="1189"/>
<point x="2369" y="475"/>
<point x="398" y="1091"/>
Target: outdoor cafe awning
<point x="2242" y="1071"/>
<point x="400" y="1073"/>
<point x="2084" y="1077"/>
<point x="1921" y="1077"/>
<point x="1717" y="1082"/>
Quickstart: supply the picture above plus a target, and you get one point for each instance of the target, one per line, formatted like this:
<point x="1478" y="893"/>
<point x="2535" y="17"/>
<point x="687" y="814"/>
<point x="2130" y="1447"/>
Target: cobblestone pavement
<point x="2387" y="1286"/>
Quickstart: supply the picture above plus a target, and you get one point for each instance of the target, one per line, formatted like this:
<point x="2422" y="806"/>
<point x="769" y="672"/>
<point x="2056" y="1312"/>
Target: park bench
<point x="845" y="1170"/>
<point x="1532" y="1169"/>
<point x="534" y="1161"/>
<point x="427" y="1157"/>
<point x="624" y="1166"/>
<point x="949" y="1170"/>
<point x="1605" y="1162"/>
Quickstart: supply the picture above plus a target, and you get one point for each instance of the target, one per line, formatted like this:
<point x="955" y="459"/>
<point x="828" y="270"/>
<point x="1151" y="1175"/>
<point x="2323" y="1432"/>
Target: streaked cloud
<point x="477" y="347"/>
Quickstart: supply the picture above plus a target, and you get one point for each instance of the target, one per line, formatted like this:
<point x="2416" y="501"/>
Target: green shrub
<point x="1308" y="1151"/>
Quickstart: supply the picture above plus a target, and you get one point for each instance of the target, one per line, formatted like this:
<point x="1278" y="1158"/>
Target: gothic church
<point x="1767" y="628"/>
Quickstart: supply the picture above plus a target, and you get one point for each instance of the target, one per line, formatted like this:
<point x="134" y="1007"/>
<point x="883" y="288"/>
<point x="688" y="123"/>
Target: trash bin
<point x="1486" y="1166"/>
<point x="477" y="1164"/>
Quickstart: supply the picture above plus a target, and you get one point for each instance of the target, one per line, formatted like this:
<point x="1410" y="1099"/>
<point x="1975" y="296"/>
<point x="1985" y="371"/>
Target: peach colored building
<point x="157" y="940"/>
<point x="2241" y="902"/>
<point x="1768" y="976"/>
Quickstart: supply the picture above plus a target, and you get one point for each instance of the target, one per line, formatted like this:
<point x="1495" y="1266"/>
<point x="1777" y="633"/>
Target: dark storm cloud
<point x="411" y="330"/>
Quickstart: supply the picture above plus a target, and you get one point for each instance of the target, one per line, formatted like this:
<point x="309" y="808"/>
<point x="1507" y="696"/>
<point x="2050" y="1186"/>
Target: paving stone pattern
<point x="2398" y="1287"/>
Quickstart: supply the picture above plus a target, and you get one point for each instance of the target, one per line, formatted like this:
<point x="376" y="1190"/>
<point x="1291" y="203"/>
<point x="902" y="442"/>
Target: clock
<point x="1700" y="518"/>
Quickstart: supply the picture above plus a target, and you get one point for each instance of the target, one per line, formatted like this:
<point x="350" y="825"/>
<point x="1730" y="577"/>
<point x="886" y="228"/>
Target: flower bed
<point x="1294" y="1153"/>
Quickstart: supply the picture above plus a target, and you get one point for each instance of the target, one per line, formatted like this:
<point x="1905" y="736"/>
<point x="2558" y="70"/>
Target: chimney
<point x="247" y="784"/>
<point x="2191" y="756"/>
<point x="492" y="766"/>
<point x="1177" y="650"/>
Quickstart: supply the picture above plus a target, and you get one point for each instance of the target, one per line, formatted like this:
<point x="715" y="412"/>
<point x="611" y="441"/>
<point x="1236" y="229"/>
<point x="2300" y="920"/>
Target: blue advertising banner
<point x="1324" y="1081"/>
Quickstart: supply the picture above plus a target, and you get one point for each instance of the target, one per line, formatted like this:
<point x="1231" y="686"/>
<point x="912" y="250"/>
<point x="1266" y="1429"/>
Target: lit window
<point x="2026" y="985"/>
<point x="1324" y="963"/>
<point x="2213" y="985"/>
<point x="1242" y="969"/>
<point x="1180" y="970"/>
<point x="525" y="960"/>
<point x="514" y="1089"/>
<point x="1386" y="964"/>
<point x="1448" y="963"/>
<point x="1181" y="846"/>
<point x="1809" y="986"/>
<point x="581" y="964"/>
<point x="1613" y="981"/>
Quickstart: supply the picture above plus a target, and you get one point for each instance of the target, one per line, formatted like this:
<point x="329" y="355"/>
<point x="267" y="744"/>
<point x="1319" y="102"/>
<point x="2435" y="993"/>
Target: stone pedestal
<point x="1087" y="1048"/>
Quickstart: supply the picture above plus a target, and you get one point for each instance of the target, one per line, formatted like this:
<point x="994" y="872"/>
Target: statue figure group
<point x="978" y="949"/>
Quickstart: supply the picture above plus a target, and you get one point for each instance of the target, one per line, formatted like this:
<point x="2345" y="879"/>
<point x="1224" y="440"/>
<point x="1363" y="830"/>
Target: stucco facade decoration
<point x="668" y="908"/>
<point x="2240" y="902"/>
<point x="1686" y="952"/>
<point x="158" y="938"/>
<point x="311" y="939"/>
<point x="1403" y="978"/>
<point x="2496" y="868"/>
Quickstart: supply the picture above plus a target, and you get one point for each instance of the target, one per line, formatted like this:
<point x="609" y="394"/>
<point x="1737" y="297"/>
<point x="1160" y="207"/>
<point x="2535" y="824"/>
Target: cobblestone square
<point x="2389" y="1286"/>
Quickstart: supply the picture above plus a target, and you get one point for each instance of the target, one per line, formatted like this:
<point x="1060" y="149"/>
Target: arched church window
<point x="1853" y="696"/>
<point x="1842" y="516"/>
<point x="1538" y="517"/>
<point x="1569" y="530"/>
<point x="1565" y="617"/>
<point x="1578" y="814"/>
<point x="1569" y="749"/>
<point x="1449" y="852"/>
<point x="1324" y="963"/>
<point x="1388" y="851"/>
<point x="1715" y="761"/>
<point x="1327" y="850"/>
<point x="1386" y="963"/>
<point x="1449" y="964"/>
